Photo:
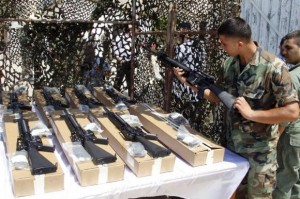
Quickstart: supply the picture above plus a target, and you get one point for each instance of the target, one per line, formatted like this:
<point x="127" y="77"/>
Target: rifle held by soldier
<point x="136" y="134"/>
<point x="197" y="78"/>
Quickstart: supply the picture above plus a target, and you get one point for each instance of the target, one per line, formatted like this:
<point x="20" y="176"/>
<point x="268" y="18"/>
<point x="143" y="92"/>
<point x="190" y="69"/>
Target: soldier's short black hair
<point x="235" y="27"/>
<point x="294" y="35"/>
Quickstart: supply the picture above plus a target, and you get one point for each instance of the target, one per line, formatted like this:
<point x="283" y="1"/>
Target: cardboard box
<point x="22" y="98"/>
<point x="86" y="172"/>
<point x="40" y="103"/>
<point x="74" y="101"/>
<point x="72" y="98"/>
<point x="141" y="166"/>
<point x="23" y="182"/>
<point x="207" y="153"/>
<point x="100" y="94"/>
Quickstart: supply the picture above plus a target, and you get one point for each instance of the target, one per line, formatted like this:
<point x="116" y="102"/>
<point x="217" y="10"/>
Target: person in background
<point x="264" y="98"/>
<point x="281" y="48"/>
<point x="288" y="154"/>
<point x="191" y="54"/>
<point x="122" y="52"/>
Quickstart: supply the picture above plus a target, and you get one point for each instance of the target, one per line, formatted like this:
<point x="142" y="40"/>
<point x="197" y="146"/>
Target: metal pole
<point x="133" y="38"/>
<point x="170" y="52"/>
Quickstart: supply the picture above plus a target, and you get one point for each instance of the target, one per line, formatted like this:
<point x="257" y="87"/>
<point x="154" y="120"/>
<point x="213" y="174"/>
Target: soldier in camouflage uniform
<point x="264" y="97"/>
<point x="288" y="172"/>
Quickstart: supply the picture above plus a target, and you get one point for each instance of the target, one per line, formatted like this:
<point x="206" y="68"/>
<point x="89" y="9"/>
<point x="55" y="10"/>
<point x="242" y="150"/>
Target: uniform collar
<point x="294" y="67"/>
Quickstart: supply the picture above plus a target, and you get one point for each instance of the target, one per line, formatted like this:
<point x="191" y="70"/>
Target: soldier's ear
<point x="240" y="43"/>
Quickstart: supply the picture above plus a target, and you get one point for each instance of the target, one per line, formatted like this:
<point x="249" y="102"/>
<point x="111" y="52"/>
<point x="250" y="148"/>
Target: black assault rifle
<point x="136" y="134"/>
<point x="32" y="144"/>
<point x="15" y="105"/>
<point x="118" y="97"/>
<point x="197" y="78"/>
<point x="88" y="140"/>
<point x="59" y="103"/>
<point x="84" y="99"/>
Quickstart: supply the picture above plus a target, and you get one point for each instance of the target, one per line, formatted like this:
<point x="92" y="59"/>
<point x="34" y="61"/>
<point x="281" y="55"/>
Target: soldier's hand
<point x="243" y="107"/>
<point x="178" y="72"/>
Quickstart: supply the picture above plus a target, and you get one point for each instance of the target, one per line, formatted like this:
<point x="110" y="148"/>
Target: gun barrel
<point x="196" y="78"/>
<point x="163" y="57"/>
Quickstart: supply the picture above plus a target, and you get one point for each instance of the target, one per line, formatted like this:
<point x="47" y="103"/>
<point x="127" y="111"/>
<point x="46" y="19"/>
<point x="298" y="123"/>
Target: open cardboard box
<point x="100" y="94"/>
<point x="86" y="171"/>
<point x="207" y="153"/>
<point x="72" y="98"/>
<point x="22" y="98"/>
<point x="40" y="103"/>
<point x="141" y="166"/>
<point x="23" y="182"/>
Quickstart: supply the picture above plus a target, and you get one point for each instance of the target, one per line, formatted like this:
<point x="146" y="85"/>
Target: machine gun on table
<point x="197" y="78"/>
<point x="136" y="134"/>
<point x="88" y="140"/>
<point x="14" y="103"/>
<point x="58" y="103"/>
<point x="90" y="101"/>
<point x="118" y="97"/>
<point x="32" y="144"/>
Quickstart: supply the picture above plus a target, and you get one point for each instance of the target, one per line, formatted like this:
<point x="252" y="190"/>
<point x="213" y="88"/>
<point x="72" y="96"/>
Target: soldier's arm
<point x="287" y="113"/>
<point x="207" y="93"/>
<point x="286" y="97"/>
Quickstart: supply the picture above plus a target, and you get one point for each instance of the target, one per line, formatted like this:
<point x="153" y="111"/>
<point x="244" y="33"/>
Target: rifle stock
<point x="137" y="135"/>
<point x="99" y="156"/>
<point x="197" y="78"/>
<point x="39" y="164"/>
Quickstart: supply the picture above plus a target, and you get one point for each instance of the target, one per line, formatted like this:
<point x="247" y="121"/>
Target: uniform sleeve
<point x="295" y="76"/>
<point x="282" y="86"/>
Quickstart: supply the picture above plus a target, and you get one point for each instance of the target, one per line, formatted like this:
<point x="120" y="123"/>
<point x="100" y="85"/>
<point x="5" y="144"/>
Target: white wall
<point x="270" y="20"/>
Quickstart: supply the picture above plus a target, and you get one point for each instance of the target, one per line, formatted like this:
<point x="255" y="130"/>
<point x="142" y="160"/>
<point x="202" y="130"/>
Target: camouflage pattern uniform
<point x="288" y="173"/>
<point x="265" y="83"/>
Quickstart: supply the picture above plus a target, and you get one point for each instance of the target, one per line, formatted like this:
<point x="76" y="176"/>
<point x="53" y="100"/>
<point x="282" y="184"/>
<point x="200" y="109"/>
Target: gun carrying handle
<point x="226" y="98"/>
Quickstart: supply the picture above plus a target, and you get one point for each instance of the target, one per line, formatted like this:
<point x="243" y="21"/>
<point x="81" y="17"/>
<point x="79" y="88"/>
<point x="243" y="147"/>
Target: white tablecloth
<point x="215" y="181"/>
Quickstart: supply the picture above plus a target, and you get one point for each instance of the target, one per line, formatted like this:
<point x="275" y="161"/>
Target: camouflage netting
<point x="73" y="48"/>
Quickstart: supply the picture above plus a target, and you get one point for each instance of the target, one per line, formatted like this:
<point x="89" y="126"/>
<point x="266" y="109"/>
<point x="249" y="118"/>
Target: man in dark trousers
<point x="288" y="155"/>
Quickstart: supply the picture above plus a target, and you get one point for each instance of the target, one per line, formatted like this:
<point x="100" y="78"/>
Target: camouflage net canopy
<point x="62" y="43"/>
